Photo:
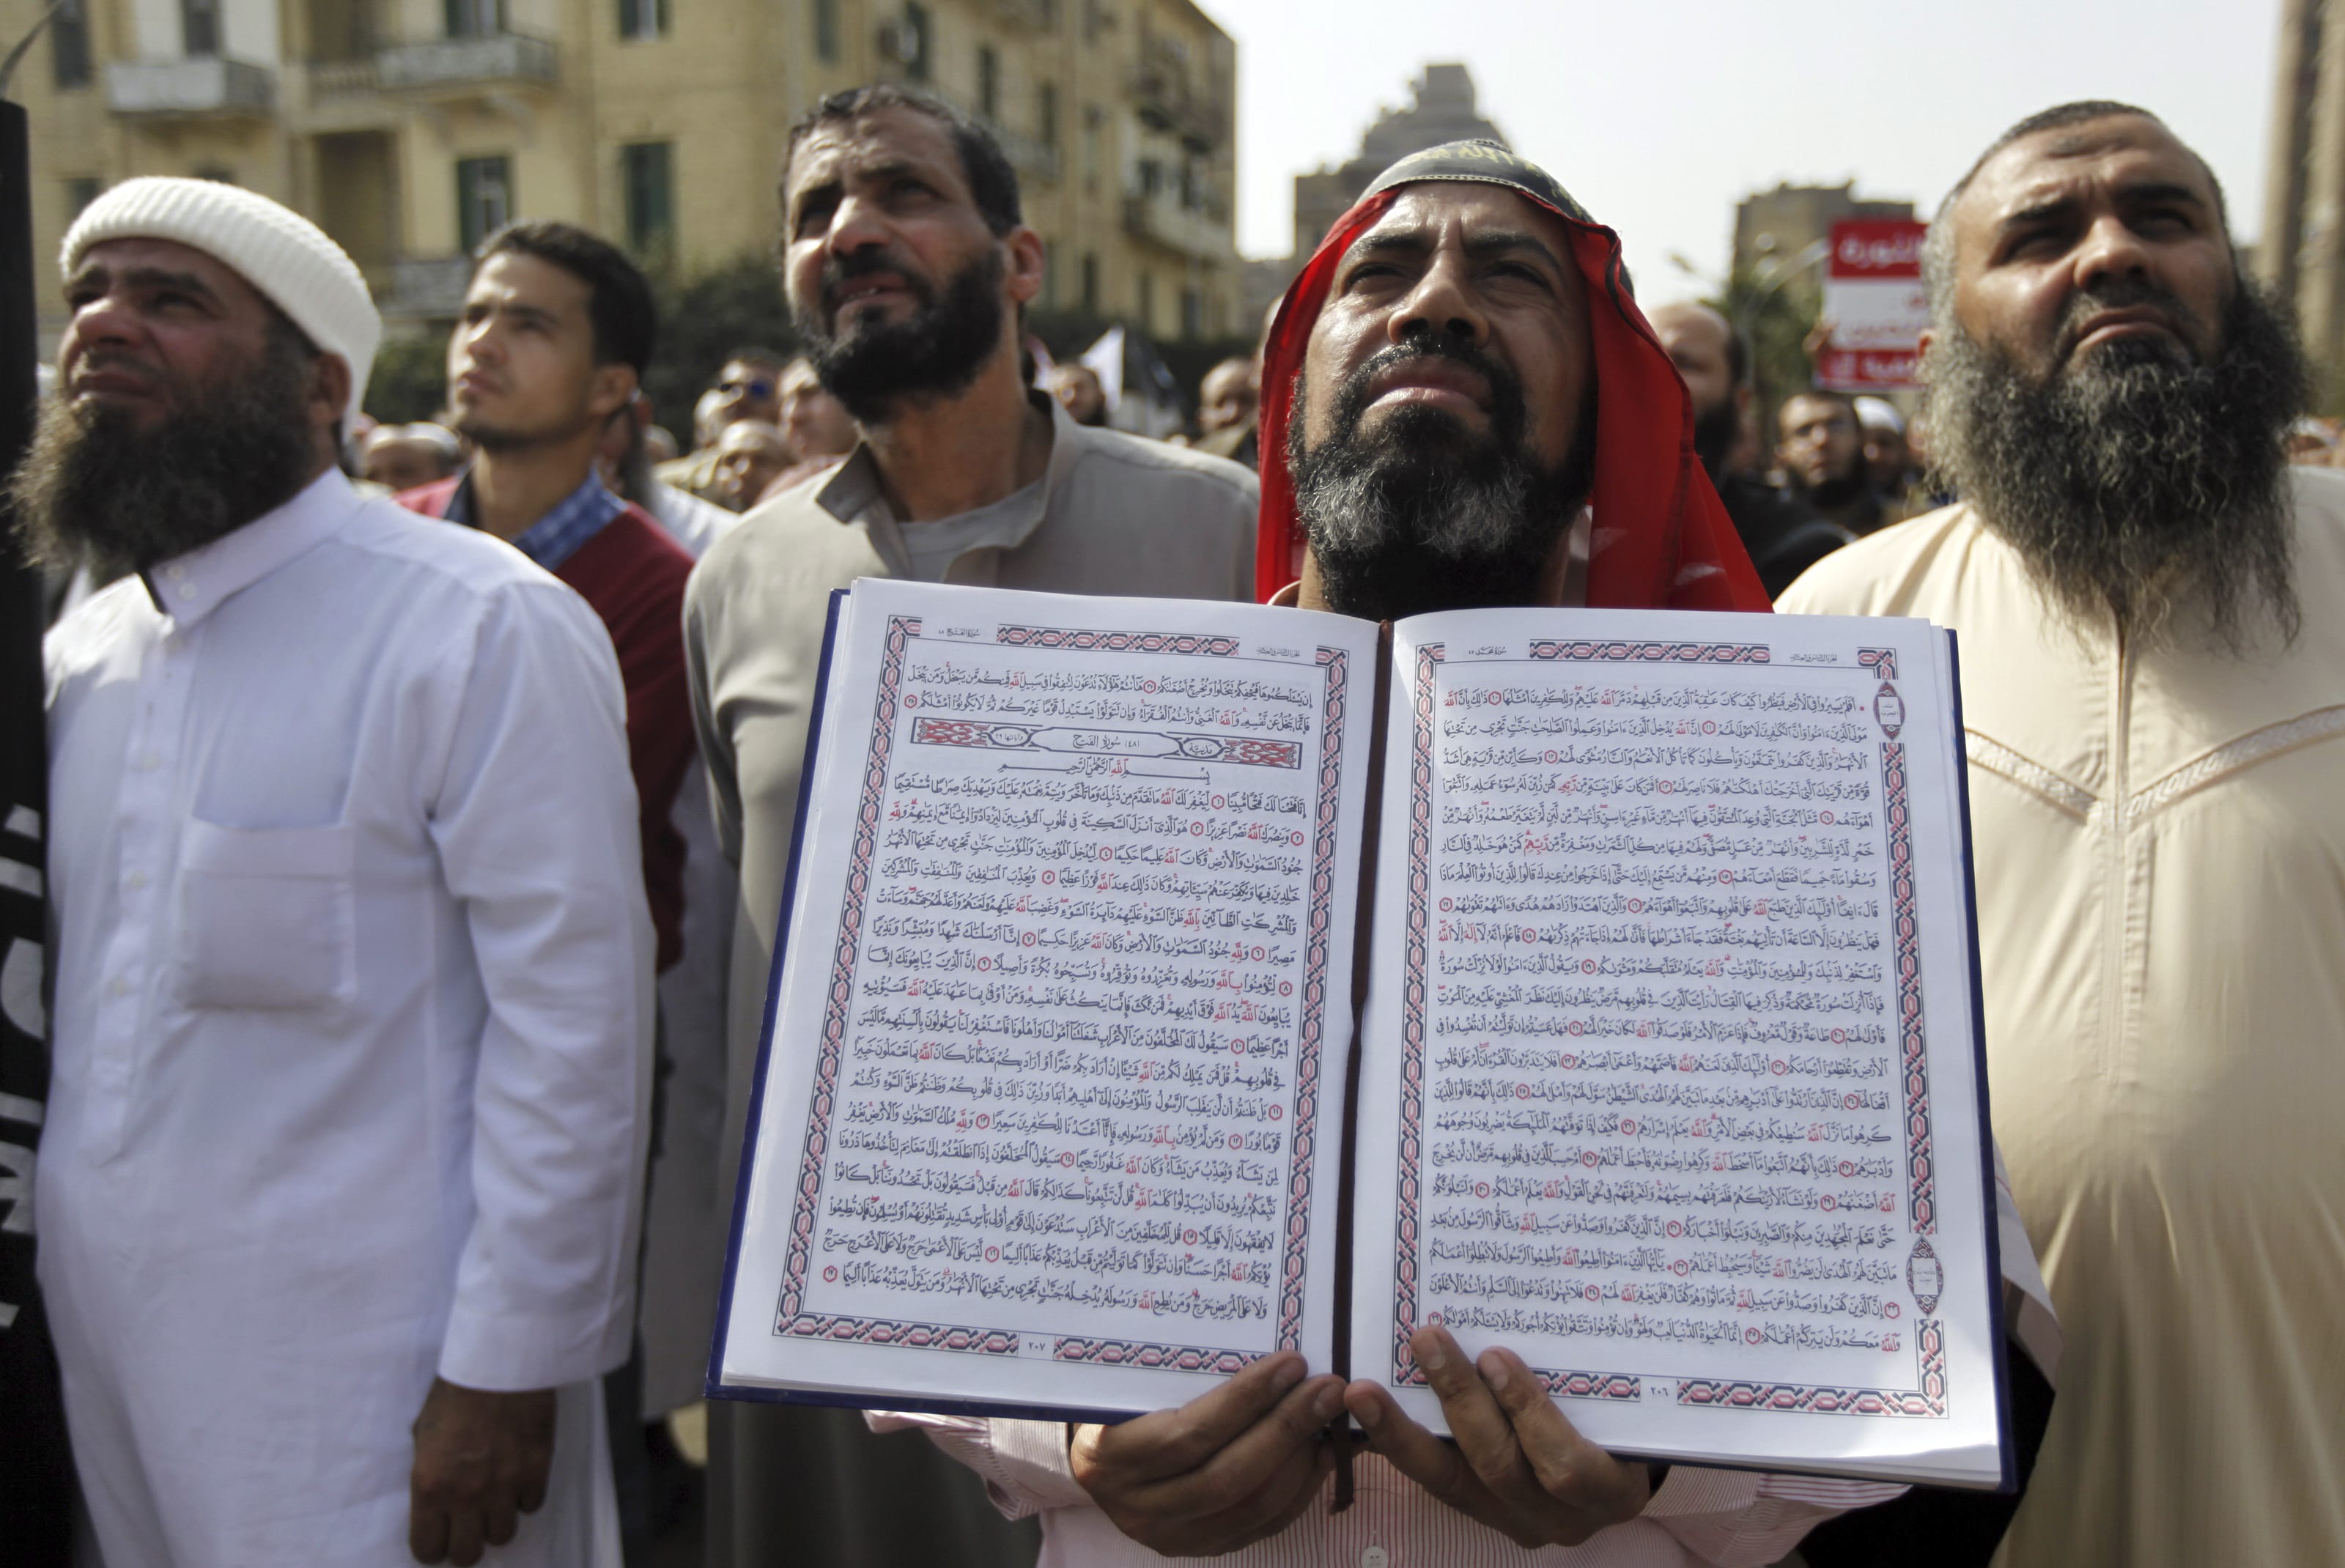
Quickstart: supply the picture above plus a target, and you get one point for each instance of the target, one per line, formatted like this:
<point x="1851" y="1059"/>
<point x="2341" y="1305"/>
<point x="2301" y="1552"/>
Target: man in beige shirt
<point x="2152" y="615"/>
<point x="907" y="267"/>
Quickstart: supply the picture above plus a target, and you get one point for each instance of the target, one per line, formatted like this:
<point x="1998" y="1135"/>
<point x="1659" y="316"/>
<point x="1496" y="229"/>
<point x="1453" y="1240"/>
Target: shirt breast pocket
<point x="266" y="917"/>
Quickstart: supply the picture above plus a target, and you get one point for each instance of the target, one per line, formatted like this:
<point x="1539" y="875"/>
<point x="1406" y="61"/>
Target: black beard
<point x="2134" y="476"/>
<point x="94" y="489"/>
<point x="1714" y="433"/>
<point x="937" y="352"/>
<point x="1425" y="516"/>
<point x="1840" y="490"/>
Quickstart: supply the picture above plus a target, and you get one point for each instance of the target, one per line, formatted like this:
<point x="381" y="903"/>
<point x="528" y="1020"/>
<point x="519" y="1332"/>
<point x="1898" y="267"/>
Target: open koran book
<point x="1165" y="984"/>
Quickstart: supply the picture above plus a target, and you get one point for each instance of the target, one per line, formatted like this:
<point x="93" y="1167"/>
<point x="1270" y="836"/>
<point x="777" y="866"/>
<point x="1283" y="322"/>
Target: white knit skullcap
<point x="276" y="250"/>
<point x="1879" y="414"/>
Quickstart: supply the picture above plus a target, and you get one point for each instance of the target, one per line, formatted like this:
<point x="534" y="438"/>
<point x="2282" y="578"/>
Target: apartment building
<point x="2302" y="253"/>
<point x="409" y="129"/>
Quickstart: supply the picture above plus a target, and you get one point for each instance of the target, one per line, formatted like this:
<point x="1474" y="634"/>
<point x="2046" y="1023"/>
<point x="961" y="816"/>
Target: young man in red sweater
<point x="557" y="329"/>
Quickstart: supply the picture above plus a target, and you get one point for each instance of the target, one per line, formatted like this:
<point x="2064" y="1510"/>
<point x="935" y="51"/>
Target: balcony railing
<point x="457" y="66"/>
<point x="1162" y="94"/>
<point x="1192" y="231"/>
<point x="337" y="81"/>
<point x="199" y="88"/>
<point x="1030" y="156"/>
<point x="1026" y="15"/>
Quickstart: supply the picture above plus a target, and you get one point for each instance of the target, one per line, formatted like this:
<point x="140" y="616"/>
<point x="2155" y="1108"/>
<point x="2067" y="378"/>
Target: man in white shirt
<point x="353" y="1002"/>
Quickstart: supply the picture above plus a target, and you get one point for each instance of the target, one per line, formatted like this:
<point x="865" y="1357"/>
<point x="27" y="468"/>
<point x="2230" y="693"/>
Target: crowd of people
<point x="421" y="796"/>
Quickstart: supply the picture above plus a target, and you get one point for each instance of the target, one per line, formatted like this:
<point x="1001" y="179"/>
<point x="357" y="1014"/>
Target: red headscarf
<point x="1661" y="538"/>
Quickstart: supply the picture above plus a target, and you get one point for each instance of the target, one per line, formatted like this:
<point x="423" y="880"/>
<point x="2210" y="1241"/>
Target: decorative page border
<point x="1419" y="886"/>
<point x="1598" y="652"/>
<point x="1057" y="637"/>
<point x="901" y="630"/>
<point x="1928" y="1398"/>
<point x="792" y="1318"/>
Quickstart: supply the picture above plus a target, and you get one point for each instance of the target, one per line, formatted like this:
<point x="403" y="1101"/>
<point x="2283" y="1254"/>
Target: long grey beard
<point x="94" y="489"/>
<point x="2137" y="479"/>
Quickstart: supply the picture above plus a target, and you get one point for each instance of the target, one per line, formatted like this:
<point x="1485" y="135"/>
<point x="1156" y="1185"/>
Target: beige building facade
<point x="409" y="129"/>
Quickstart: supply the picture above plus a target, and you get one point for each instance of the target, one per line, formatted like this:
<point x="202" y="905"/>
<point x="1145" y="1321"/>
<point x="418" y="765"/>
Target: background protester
<point x="748" y="387"/>
<point x="1783" y="536"/>
<point x="2152" y="613"/>
<point x="909" y="269"/>
<point x="818" y="427"/>
<point x="705" y="426"/>
<point x="752" y="455"/>
<point x="1450" y="387"/>
<point x="339" y="1174"/>
<point x="556" y="329"/>
<point x="1225" y="411"/>
<point x="1076" y="387"/>
<point x="685" y="1221"/>
<point x="2312" y="442"/>
<point x="625" y="455"/>
<point x="1821" y="451"/>
<point x="403" y="457"/>
<point x="1888" y="463"/>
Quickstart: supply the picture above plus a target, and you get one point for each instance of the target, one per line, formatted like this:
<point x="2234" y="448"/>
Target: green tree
<point x="409" y="380"/>
<point x="736" y="304"/>
<point x="1775" y="314"/>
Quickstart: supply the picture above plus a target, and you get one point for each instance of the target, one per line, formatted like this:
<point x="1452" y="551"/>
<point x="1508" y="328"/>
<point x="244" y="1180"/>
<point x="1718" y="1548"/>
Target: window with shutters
<point x="648" y="171"/>
<point x="483" y="198"/>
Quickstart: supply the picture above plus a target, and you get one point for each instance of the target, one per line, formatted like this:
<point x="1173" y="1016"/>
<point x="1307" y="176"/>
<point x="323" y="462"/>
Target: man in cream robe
<point x="2151" y="614"/>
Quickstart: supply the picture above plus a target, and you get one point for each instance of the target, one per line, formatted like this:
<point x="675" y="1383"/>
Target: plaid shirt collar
<point x="557" y="536"/>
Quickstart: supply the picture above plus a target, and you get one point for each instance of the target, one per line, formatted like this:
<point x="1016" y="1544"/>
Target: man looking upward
<point x="1226" y="402"/>
<point x="909" y="267"/>
<point x="1783" y="536"/>
<point x="352" y="1033"/>
<point x="2152" y="612"/>
<point x="1451" y="379"/>
<point x="557" y="329"/>
<point x="1823" y="454"/>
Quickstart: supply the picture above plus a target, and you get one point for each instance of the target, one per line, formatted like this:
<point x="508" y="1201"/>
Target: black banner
<point x="37" y="1475"/>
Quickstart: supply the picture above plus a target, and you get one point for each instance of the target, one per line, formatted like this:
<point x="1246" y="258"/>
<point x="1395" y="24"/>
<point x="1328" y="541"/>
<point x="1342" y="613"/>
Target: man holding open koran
<point x="1462" y="407"/>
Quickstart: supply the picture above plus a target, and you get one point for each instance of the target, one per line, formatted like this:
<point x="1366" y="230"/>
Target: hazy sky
<point x="1659" y="116"/>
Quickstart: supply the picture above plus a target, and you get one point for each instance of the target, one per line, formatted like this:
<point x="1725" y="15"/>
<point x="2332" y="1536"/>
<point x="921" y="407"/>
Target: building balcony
<point x="1022" y="16"/>
<point x="431" y="287"/>
<point x="462" y="67"/>
<point x="1032" y="157"/>
<point x="1190" y="230"/>
<point x="1162" y="97"/>
<point x="344" y="81"/>
<point x="199" y="87"/>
